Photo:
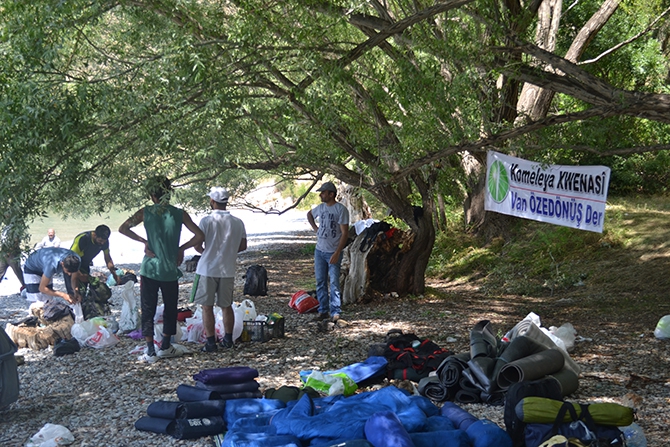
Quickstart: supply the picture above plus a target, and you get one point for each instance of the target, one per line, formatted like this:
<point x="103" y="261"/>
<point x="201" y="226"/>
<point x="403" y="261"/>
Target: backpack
<point x="410" y="357"/>
<point x="371" y="233"/>
<point x="256" y="281"/>
<point x="9" y="375"/>
<point x="55" y="310"/>
<point x="95" y="301"/>
<point x="515" y="427"/>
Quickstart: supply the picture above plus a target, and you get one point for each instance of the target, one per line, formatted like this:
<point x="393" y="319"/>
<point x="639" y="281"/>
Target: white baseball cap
<point x="218" y="194"/>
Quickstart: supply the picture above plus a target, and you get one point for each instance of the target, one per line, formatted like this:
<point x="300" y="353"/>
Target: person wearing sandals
<point x="225" y="236"/>
<point x="159" y="269"/>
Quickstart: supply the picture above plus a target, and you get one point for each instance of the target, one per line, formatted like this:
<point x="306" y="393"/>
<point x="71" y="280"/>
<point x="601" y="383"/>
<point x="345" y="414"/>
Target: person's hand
<point x="77" y="297"/>
<point x="70" y="298"/>
<point x="334" y="258"/>
<point x="148" y="252"/>
<point x="116" y="278"/>
<point x="180" y="256"/>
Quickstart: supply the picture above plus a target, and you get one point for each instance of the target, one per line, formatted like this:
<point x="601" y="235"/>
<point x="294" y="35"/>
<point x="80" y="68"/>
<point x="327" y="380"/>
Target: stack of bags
<point x="200" y="409"/>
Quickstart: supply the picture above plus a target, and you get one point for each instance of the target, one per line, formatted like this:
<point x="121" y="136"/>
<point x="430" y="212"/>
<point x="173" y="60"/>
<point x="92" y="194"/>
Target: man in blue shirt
<point x="40" y="268"/>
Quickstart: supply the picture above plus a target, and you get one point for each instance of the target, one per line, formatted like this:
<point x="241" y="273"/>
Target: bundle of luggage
<point x="50" y="322"/>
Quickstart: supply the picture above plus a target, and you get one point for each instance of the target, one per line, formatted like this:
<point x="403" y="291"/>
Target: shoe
<point x="339" y="322"/>
<point x="146" y="358"/>
<point x="172" y="351"/>
<point x="226" y="344"/>
<point x="209" y="348"/>
<point x="321" y="317"/>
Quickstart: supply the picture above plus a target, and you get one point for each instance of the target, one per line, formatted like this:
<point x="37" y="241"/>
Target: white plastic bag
<point x="51" y="435"/>
<point x="662" y="330"/>
<point x="130" y="310"/>
<point x="158" y="333"/>
<point x="85" y="329"/>
<point x="158" y="317"/>
<point x="195" y="331"/>
<point x="248" y="310"/>
<point x="78" y="312"/>
<point x="567" y="334"/>
<point x="102" y="339"/>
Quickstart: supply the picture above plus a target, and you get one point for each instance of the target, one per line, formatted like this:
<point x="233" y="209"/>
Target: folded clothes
<point x="233" y="374"/>
<point x="182" y="428"/>
<point x="186" y="410"/>
<point x="250" y="385"/>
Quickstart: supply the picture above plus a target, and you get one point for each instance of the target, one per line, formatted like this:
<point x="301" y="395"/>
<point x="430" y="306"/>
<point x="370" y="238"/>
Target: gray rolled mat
<point x="533" y="367"/>
<point x="518" y="348"/>
<point x="568" y="380"/>
<point x="529" y="329"/>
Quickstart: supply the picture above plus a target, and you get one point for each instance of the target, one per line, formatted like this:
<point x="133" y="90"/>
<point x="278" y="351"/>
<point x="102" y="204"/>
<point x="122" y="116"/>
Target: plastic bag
<point x="102" y="339"/>
<point x="195" y="331"/>
<point x="51" y="435"/>
<point x="662" y="330"/>
<point x="303" y="302"/>
<point x="84" y="330"/>
<point x="333" y="384"/>
<point x="567" y="334"/>
<point x="130" y="310"/>
<point x="248" y="310"/>
<point x="78" y="313"/>
<point x="158" y="317"/>
<point x="158" y="333"/>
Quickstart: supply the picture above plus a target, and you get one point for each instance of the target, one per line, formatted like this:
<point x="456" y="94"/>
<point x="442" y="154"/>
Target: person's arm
<point x="56" y="242"/>
<point x="110" y="265"/>
<point x="131" y="222"/>
<point x="40" y="244"/>
<point x="312" y="222"/>
<point x="343" y="242"/>
<point x="45" y="289"/>
<point x="197" y="239"/>
<point x="243" y="245"/>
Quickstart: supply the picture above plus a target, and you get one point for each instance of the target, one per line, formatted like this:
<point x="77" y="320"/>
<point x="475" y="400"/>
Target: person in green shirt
<point x="159" y="269"/>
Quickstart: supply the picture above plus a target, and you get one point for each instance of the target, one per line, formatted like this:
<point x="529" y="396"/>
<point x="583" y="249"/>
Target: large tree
<point x="385" y="95"/>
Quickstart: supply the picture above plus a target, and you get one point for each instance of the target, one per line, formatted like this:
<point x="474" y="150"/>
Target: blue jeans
<point x="324" y="270"/>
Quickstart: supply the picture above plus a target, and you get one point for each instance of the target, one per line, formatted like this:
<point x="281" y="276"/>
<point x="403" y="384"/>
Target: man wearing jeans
<point x="331" y="238"/>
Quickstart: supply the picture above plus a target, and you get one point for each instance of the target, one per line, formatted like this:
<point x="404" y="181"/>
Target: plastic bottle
<point x="634" y="435"/>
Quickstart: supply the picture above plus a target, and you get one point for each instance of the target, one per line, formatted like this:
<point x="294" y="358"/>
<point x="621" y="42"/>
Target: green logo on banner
<point x="498" y="181"/>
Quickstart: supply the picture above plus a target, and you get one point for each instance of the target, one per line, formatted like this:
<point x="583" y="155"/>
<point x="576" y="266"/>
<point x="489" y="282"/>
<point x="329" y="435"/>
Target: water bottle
<point x="634" y="435"/>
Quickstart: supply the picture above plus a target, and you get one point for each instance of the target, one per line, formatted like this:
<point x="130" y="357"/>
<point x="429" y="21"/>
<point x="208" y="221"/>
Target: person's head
<point x="71" y="264"/>
<point x="159" y="189"/>
<point x="327" y="192"/>
<point x="218" y="196"/>
<point x="101" y="234"/>
<point x="51" y="233"/>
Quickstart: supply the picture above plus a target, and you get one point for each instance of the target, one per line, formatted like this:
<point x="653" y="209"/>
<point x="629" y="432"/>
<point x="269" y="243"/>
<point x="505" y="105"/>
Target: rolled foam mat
<point x="233" y="374"/>
<point x="568" y="380"/>
<point x="533" y="367"/>
<point x="531" y="330"/>
<point x="186" y="410"/>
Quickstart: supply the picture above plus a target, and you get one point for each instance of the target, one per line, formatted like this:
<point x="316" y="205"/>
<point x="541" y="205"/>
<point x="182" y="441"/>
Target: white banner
<point x="571" y="196"/>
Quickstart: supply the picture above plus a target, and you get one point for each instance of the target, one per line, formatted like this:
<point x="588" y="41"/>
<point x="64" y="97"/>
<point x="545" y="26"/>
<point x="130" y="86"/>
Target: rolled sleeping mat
<point x="483" y="341"/>
<point x="481" y="374"/>
<point x="188" y="393"/>
<point x="186" y="410"/>
<point x="384" y="429"/>
<point x="183" y="428"/>
<point x="232" y="374"/>
<point x="433" y="389"/>
<point x="451" y="368"/>
<point x="567" y="379"/>
<point x="518" y="348"/>
<point x="531" y="330"/>
<point x="485" y="433"/>
<point x="250" y="385"/>
<point x="540" y="410"/>
<point x="458" y="416"/>
<point x="469" y="393"/>
<point x="530" y="368"/>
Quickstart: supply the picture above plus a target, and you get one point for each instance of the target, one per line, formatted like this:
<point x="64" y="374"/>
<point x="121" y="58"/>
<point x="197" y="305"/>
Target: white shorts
<point x="214" y="291"/>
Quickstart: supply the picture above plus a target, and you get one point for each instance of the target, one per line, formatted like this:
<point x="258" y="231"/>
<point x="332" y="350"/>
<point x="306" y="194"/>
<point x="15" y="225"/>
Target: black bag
<point x="256" y="281"/>
<point x="515" y="427"/>
<point x="371" y="233"/>
<point x="410" y="357"/>
<point x="95" y="301"/>
<point x="9" y="375"/>
<point x="127" y="277"/>
<point x="65" y="347"/>
<point x="55" y="310"/>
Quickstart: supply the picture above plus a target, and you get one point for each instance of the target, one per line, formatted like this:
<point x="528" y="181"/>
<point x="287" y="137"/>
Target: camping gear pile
<point x="49" y="322"/>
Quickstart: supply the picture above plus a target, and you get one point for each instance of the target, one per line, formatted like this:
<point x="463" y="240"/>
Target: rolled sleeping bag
<point x="567" y="379"/>
<point x="458" y="416"/>
<point x="529" y="368"/>
<point x="541" y="410"/>
<point x="186" y="410"/>
<point x="531" y="330"/>
<point x="384" y="429"/>
<point x="485" y="433"/>
<point x="443" y="438"/>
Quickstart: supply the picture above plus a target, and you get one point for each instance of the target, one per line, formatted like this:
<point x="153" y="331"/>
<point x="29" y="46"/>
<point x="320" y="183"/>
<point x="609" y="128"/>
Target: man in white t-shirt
<point x="332" y="234"/>
<point x="50" y="240"/>
<point x="225" y="236"/>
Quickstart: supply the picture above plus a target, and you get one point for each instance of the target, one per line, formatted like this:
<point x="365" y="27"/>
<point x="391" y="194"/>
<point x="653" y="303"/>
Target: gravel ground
<point x="99" y="394"/>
